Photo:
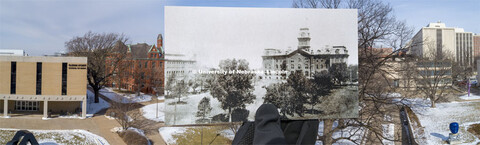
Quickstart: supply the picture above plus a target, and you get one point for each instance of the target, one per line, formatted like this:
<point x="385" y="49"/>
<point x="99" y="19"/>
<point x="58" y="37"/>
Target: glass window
<point x="64" y="78"/>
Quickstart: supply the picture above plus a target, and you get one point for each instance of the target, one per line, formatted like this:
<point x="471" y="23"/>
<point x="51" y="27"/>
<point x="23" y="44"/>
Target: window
<point x="64" y="78"/>
<point x="153" y="64"/>
<point x="146" y="64"/>
<point x="293" y="66"/>
<point x="395" y="83"/>
<point x="39" y="78"/>
<point x="13" y="78"/>
<point x="26" y="105"/>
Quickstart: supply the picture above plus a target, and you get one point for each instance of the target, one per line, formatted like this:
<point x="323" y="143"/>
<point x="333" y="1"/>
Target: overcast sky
<point x="214" y="33"/>
<point x="42" y="26"/>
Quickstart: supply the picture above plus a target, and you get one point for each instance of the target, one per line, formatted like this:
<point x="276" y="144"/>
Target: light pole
<point x="214" y="139"/>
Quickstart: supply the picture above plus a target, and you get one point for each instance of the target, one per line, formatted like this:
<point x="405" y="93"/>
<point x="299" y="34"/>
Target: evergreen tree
<point x="338" y="72"/>
<point x="204" y="108"/>
<point x="322" y="86"/>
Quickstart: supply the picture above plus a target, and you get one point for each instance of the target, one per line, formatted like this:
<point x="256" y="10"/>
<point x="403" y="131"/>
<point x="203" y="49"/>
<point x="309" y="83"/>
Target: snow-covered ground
<point x="124" y="98"/>
<point x="389" y="133"/>
<point x="186" y="113"/>
<point x="150" y="112"/>
<point x="57" y="137"/>
<point x="471" y="97"/>
<point x="435" y="121"/>
<point x="355" y="133"/>
<point x="93" y="107"/>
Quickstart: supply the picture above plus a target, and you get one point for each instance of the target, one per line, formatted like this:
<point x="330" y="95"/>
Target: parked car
<point x="473" y="81"/>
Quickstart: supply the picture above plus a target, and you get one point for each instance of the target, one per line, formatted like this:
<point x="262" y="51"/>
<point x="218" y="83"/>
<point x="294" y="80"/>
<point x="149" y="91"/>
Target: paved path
<point x="148" y="126"/>
<point x="98" y="125"/>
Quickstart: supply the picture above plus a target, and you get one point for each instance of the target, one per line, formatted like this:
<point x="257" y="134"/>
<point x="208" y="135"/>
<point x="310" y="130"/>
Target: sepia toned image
<point x="224" y="63"/>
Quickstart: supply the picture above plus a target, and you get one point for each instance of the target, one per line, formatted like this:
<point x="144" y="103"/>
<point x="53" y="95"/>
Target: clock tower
<point x="304" y="39"/>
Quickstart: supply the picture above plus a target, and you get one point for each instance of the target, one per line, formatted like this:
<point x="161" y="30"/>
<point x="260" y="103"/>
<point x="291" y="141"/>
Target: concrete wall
<point x="76" y="81"/>
<point x="5" y="77"/>
<point x="26" y="78"/>
<point x="57" y="106"/>
<point x="429" y="36"/>
<point x="52" y="79"/>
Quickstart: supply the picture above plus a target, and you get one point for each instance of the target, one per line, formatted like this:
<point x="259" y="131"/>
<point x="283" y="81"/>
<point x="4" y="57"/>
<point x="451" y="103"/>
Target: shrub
<point x="475" y="129"/>
<point x="220" y="118"/>
<point x="131" y="137"/>
<point x="239" y="115"/>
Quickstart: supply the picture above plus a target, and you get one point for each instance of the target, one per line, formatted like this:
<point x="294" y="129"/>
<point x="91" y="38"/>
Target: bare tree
<point x="140" y="77"/>
<point x="435" y="72"/>
<point x="124" y="113"/>
<point x="376" y="26"/>
<point x="100" y="51"/>
<point x="329" y="4"/>
<point x="120" y="75"/>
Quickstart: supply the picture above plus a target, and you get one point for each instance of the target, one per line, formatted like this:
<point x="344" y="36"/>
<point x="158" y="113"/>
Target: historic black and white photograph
<point x="224" y="63"/>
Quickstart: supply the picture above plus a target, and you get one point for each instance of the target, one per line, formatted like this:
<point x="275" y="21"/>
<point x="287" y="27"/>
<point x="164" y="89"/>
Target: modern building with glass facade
<point x="37" y="84"/>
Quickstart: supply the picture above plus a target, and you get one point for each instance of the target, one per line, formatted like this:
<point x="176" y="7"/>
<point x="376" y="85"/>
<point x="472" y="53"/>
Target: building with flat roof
<point x="439" y="40"/>
<point x="38" y="84"/>
<point x="12" y="52"/>
<point x="180" y="65"/>
<point x="476" y="49"/>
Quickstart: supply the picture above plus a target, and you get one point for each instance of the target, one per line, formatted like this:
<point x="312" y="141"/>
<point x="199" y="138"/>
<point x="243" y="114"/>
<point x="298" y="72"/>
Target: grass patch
<point x="413" y="117"/>
<point x="194" y="136"/>
<point x="475" y="129"/>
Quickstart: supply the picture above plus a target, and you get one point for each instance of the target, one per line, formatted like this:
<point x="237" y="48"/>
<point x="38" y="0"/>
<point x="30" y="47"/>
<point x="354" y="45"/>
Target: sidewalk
<point x="148" y="126"/>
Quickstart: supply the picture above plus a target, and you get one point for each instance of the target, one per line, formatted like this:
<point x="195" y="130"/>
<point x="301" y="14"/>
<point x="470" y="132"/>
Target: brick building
<point x="142" y="69"/>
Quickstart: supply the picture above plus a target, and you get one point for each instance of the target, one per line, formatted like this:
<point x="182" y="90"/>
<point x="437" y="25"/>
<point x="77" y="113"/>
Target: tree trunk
<point x="229" y="114"/>
<point x="96" y="91"/>
<point x="311" y="111"/>
<point x="327" y="132"/>
<point x="432" y="100"/>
